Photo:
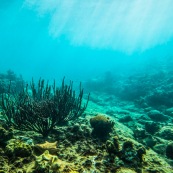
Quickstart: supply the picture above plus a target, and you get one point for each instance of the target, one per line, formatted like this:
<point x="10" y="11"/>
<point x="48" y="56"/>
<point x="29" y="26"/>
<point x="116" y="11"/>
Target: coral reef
<point x="73" y="149"/>
<point x="5" y="135"/>
<point x="156" y="115"/>
<point x="17" y="148"/>
<point x="132" y="155"/>
<point x="101" y="125"/>
<point x="153" y="88"/>
<point x="113" y="147"/>
<point x="51" y="147"/>
<point x="47" y="162"/>
<point x="114" y="135"/>
<point x="152" y="127"/>
<point x="45" y="108"/>
<point x="169" y="151"/>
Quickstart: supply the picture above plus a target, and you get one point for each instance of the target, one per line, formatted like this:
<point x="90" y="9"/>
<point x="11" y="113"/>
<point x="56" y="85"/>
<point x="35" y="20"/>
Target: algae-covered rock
<point x="26" y="140"/>
<point x="50" y="163"/>
<point x="3" y="164"/>
<point x="150" y="141"/>
<point x="160" y="148"/>
<point x="50" y="146"/>
<point x="125" y="170"/>
<point x="126" y="119"/>
<point x="101" y="125"/>
<point x="166" y="132"/>
<point x="155" y="163"/>
<point x="156" y="115"/>
<point x="112" y="147"/>
<point x="152" y="127"/>
<point x="139" y="133"/>
<point x="5" y="135"/>
<point x="131" y="154"/>
<point x="17" y="148"/>
<point x="169" y="151"/>
<point x="45" y="162"/>
<point x="169" y="111"/>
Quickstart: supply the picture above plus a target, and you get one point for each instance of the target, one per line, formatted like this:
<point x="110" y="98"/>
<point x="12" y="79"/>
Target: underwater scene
<point x="86" y="86"/>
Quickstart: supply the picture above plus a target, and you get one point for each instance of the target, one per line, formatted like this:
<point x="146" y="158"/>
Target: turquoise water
<point x="81" y="40"/>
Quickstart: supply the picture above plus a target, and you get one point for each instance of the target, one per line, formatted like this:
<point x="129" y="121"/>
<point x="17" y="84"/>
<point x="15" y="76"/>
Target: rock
<point x="125" y="170"/>
<point x="17" y="148"/>
<point x="166" y="132"/>
<point x="150" y="141"/>
<point x="125" y="119"/>
<point x="169" y="151"/>
<point x="131" y="154"/>
<point x="156" y="115"/>
<point x="47" y="162"/>
<point x="169" y="112"/>
<point x="152" y="127"/>
<point x="124" y="112"/>
<point x="26" y="140"/>
<point x="160" y="148"/>
<point x="51" y="147"/>
<point x="87" y="163"/>
<point x="112" y="147"/>
<point x="148" y="109"/>
<point x="140" y="133"/>
<point x="4" y="164"/>
<point x="50" y="163"/>
<point x="122" y="130"/>
<point x="5" y="135"/>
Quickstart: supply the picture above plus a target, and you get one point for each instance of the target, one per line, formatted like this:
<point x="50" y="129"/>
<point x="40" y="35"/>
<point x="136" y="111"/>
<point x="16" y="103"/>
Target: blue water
<point x="83" y="39"/>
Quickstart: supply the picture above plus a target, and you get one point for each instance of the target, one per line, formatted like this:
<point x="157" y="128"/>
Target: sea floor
<point x="138" y="143"/>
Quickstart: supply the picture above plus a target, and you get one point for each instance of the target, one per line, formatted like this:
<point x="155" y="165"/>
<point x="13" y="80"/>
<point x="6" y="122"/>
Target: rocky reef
<point x="112" y="136"/>
<point x="74" y="149"/>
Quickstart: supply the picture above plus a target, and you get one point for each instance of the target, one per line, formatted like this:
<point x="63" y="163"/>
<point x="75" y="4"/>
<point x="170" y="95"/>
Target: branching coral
<point x="43" y="108"/>
<point x="16" y="82"/>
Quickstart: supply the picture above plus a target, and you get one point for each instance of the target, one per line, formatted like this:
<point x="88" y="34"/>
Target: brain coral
<point x="101" y="125"/>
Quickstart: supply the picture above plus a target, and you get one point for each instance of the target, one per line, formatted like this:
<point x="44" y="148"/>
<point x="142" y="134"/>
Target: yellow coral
<point x="50" y="146"/>
<point x="46" y="161"/>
